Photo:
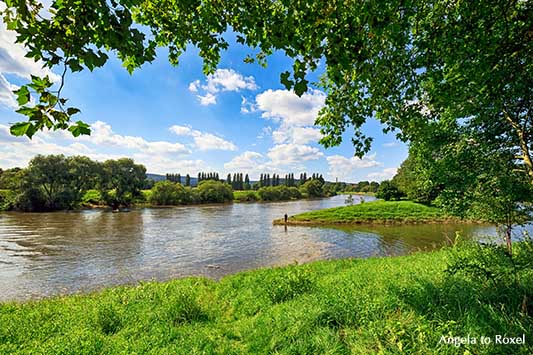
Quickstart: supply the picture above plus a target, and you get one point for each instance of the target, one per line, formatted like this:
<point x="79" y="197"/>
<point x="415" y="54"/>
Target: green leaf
<point x="72" y="111"/>
<point x="301" y="87"/>
<point x="284" y="78"/>
<point x="22" y="128"/>
<point x="23" y="95"/>
<point x="80" y="128"/>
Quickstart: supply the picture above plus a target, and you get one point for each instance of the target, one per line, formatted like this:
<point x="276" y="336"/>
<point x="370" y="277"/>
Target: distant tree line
<point x="56" y="182"/>
<point x="363" y="186"/>
<point x="177" y="178"/>
<point x="207" y="176"/>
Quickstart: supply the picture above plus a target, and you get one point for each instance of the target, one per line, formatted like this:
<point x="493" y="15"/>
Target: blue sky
<point x="177" y="120"/>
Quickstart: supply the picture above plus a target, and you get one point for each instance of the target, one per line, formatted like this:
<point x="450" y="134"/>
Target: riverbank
<point x="378" y="305"/>
<point x="375" y="212"/>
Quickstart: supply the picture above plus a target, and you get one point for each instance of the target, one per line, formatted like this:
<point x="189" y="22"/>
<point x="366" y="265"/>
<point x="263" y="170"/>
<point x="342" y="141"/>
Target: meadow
<point x="416" y="304"/>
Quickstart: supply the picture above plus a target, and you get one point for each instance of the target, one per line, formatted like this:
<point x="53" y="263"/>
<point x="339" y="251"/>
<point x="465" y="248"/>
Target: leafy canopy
<point x="403" y="62"/>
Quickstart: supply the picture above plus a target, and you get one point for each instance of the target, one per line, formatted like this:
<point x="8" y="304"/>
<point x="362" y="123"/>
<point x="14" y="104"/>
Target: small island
<point x="375" y="212"/>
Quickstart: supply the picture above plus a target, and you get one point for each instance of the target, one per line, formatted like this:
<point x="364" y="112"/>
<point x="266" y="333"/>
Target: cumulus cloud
<point x="290" y="153"/>
<point x="247" y="106"/>
<point x="247" y="162"/>
<point x="7" y="98"/>
<point x="221" y="80"/>
<point x="385" y="174"/>
<point x="279" y="159"/>
<point x="265" y="132"/>
<point x="289" y="108"/>
<point x="13" y="61"/>
<point x="102" y="134"/>
<point x="295" y="114"/>
<point x="344" y="168"/>
<point x="207" y="99"/>
<point x="203" y="141"/>
<point x="102" y="144"/>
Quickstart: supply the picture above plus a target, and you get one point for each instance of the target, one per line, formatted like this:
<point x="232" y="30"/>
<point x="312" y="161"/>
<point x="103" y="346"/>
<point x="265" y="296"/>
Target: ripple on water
<point x="56" y="253"/>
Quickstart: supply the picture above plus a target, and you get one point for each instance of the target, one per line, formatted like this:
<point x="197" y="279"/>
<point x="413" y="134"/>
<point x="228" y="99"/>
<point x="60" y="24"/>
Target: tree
<point x="388" y="191"/>
<point x="84" y="174"/>
<point x="187" y="180"/>
<point x="169" y="193"/>
<point x="214" y="191"/>
<point x="122" y="181"/>
<point x="46" y="183"/>
<point x="312" y="188"/>
<point x="247" y="185"/>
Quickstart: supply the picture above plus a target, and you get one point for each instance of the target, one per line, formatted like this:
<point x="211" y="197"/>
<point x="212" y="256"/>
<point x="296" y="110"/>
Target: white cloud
<point x="103" y="135"/>
<point x="290" y="153"/>
<point x="344" y="168"/>
<point x="296" y="135"/>
<point x="280" y="159"/>
<point x="265" y="132"/>
<point x="247" y="162"/>
<point x="202" y="140"/>
<point x="207" y="99"/>
<point x="13" y="61"/>
<point x="289" y="108"/>
<point x="385" y="174"/>
<point x="221" y="80"/>
<point x="7" y="98"/>
<point x="102" y="144"/>
<point x="193" y="86"/>
<point x="391" y="144"/>
<point x="247" y="106"/>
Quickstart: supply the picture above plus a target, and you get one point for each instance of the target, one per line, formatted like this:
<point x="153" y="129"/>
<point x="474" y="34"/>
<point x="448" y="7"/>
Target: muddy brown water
<point x="46" y="254"/>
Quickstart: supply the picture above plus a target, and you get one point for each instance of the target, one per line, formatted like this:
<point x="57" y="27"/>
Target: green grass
<point x="372" y="306"/>
<point x="372" y="212"/>
<point x="245" y="196"/>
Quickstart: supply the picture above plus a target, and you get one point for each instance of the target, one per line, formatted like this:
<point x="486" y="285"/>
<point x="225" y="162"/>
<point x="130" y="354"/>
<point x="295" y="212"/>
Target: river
<point x="45" y="254"/>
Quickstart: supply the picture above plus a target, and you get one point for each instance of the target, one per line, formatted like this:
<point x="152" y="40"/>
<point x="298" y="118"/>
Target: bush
<point x="169" y="193"/>
<point x="278" y="193"/>
<point x="312" y="188"/>
<point x="7" y="200"/>
<point x="388" y="191"/>
<point x="211" y="191"/>
<point x="246" y="196"/>
<point x="92" y="197"/>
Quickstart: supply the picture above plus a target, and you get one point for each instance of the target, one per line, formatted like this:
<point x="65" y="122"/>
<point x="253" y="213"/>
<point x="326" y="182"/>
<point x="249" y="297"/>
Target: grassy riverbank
<point x="375" y="212"/>
<point x="380" y="305"/>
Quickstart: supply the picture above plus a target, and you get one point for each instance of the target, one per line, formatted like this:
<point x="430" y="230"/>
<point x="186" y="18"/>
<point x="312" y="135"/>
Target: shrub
<point x="312" y="188"/>
<point x="278" y="193"/>
<point x="169" y="193"/>
<point x="7" y="200"/>
<point x="214" y="191"/>
<point x="388" y="191"/>
<point x="247" y="196"/>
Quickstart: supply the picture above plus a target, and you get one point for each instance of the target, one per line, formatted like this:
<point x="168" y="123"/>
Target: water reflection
<point x="53" y="253"/>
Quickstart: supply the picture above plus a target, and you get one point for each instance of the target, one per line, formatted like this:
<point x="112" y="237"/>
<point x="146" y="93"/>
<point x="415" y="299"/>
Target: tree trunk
<point x="524" y="145"/>
<point x="508" y="229"/>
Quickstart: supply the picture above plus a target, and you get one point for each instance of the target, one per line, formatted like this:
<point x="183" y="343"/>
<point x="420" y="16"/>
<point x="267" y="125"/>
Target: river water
<point x="45" y="254"/>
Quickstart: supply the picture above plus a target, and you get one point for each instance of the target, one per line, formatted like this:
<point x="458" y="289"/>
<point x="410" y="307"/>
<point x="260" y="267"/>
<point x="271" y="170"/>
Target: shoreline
<point x="344" y="304"/>
<point x="374" y="213"/>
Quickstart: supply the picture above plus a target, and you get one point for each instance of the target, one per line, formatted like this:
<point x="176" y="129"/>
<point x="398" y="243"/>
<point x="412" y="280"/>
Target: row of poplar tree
<point x="239" y="181"/>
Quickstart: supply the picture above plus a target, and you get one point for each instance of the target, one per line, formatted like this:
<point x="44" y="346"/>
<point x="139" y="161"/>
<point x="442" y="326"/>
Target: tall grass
<point x="373" y="306"/>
